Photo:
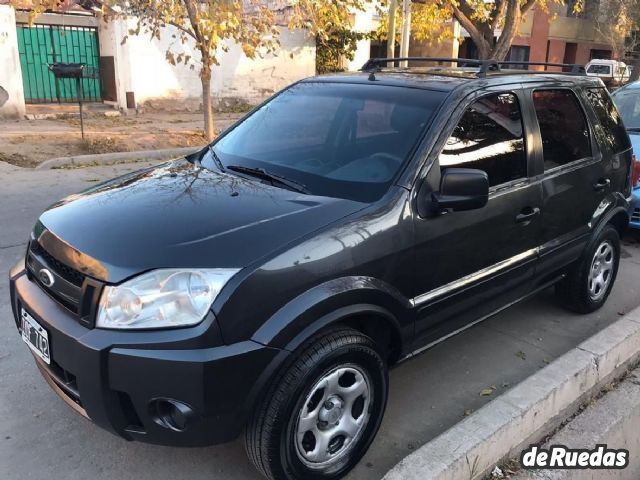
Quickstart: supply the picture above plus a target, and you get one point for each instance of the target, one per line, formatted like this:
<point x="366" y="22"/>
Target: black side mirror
<point x="462" y="189"/>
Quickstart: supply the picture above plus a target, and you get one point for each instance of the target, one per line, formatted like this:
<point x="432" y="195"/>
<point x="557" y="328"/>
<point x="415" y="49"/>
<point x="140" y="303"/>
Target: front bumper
<point x="634" y="212"/>
<point x="114" y="377"/>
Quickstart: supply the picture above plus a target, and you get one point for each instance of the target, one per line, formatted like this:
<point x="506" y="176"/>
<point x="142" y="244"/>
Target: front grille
<point x="71" y="289"/>
<point x="68" y="273"/>
<point x="635" y="216"/>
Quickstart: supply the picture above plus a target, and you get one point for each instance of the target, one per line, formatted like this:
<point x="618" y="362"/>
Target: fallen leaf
<point x="487" y="392"/>
<point x="521" y="355"/>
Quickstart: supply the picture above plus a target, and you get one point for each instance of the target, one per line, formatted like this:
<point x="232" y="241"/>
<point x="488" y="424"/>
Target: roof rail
<point x="486" y="66"/>
<point x="574" y="68"/>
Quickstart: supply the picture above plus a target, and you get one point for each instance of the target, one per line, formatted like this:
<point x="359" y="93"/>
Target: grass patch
<point x="18" y="160"/>
<point x="94" y="146"/>
<point x="240" y="107"/>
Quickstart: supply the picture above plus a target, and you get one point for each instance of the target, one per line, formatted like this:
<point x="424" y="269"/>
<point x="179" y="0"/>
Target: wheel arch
<point x="619" y="219"/>
<point x="363" y="303"/>
<point x="614" y="210"/>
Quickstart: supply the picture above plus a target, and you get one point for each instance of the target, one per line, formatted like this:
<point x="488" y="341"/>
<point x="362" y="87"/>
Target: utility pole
<point x="391" y="36"/>
<point x="406" y="31"/>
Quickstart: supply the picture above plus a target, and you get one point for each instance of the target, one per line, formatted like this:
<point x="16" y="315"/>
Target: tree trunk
<point x="513" y="18"/>
<point x="207" y="107"/>
<point x="406" y="31"/>
<point x="635" y="70"/>
<point x="391" y="36"/>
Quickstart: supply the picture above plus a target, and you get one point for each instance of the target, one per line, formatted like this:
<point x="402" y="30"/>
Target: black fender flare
<point x="332" y="302"/>
<point x="327" y="304"/>
<point x="611" y="209"/>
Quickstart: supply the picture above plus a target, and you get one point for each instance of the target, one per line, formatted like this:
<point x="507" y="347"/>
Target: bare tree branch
<point x="183" y="29"/>
<point x="498" y="14"/>
<point x="514" y="15"/>
<point x="474" y="32"/>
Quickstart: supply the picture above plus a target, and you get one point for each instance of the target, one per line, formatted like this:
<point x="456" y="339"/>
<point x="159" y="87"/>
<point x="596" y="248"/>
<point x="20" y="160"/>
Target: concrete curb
<point x="529" y="411"/>
<point x="111" y="158"/>
<point x="613" y="420"/>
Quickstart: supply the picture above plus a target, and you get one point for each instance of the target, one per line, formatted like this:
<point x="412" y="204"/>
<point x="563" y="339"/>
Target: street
<point x="41" y="438"/>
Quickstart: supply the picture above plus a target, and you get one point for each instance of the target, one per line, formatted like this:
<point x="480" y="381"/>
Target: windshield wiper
<point x="633" y="129"/>
<point x="272" y="177"/>
<point x="216" y="159"/>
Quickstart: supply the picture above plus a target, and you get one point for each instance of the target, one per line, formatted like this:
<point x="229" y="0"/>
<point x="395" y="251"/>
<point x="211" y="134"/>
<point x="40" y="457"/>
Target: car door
<point x="470" y="264"/>
<point x="573" y="176"/>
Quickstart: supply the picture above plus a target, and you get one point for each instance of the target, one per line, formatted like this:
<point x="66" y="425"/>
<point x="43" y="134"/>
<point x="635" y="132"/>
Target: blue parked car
<point x="627" y="100"/>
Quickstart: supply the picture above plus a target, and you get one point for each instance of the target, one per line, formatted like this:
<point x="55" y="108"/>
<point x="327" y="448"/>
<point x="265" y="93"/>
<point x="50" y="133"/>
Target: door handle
<point x="602" y="184"/>
<point x="527" y="215"/>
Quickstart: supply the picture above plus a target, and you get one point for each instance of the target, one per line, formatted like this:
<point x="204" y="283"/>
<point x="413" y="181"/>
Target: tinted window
<point x="339" y="140"/>
<point x="599" y="69"/>
<point x="563" y="126"/>
<point x="611" y="130"/>
<point x="489" y="137"/>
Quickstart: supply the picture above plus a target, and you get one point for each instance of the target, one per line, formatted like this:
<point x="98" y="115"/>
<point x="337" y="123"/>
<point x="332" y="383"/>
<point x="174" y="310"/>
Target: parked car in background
<point x="627" y="100"/>
<point x="612" y="72"/>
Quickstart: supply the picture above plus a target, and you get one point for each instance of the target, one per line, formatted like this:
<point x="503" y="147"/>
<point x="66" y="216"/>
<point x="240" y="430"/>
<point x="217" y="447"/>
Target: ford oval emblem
<point x="46" y="277"/>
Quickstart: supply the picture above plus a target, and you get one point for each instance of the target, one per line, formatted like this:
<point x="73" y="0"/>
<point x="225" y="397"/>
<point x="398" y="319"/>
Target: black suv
<point x="266" y="283"/>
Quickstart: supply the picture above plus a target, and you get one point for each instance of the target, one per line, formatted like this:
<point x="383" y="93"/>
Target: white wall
<point x="11" y="88"/>
<point x="143" y="68"/>
<point x="365" y="21"/>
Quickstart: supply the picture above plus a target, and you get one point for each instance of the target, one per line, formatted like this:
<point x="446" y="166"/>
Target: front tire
<point x="589" y="282"/>
<point x="322" y="412"/>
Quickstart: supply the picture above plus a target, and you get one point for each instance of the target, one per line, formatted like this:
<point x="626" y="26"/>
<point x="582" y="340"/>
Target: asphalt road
<point x="41" y="438"/>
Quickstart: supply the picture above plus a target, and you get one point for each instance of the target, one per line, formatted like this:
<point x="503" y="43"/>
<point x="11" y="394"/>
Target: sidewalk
<point x="613" y="420"/>
<point x="536" y="407"/>
<point x="27" y="143"/>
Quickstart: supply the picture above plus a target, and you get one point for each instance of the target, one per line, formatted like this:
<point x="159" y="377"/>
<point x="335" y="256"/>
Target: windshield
<point x="628" y="103"/>
<point x="338" y="140"/>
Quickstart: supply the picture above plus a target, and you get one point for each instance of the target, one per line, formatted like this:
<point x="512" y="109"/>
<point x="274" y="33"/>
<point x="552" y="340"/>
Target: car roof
<point x="603" y="60"/>
<point x="449" y="79"/>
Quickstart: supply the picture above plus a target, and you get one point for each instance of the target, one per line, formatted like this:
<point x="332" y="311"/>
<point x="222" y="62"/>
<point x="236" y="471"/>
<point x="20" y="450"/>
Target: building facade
<point x="132" y="73"/>
<point x="557" y="36"/>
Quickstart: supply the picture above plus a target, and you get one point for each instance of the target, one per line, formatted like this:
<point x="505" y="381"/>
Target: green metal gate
<point x="41" y="45"/>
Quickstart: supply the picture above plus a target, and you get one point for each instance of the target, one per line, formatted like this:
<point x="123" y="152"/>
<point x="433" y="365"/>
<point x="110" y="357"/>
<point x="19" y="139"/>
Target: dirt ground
<point x="26" y="143"/>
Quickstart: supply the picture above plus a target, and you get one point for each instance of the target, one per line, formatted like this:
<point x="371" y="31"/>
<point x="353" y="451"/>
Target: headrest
<point x="405" y="118"/>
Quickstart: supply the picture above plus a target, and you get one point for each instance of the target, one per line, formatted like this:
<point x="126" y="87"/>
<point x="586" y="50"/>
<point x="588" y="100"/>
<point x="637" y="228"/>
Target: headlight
<point x="162" y="299"/>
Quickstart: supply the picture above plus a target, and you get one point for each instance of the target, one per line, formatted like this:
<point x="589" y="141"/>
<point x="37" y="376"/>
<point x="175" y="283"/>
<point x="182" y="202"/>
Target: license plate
<point x="35" y="336"/>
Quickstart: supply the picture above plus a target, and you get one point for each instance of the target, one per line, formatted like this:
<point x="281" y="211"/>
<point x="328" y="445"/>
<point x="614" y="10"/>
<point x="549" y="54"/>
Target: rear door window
<point x="563" y="127"/>
<point x="489" y="137"/>
<point x="611" y="131"/>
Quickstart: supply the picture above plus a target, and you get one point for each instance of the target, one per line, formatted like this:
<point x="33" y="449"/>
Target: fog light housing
<point x="171" y="414"/>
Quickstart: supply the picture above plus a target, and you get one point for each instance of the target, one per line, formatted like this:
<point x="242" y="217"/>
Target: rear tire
<point x="590" y="280"/>
<point x="322" y="412"/>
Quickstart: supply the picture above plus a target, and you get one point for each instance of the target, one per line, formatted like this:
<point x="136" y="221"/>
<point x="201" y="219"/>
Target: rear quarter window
<point x="611" y="131"/>
<point x="563" y="127"/>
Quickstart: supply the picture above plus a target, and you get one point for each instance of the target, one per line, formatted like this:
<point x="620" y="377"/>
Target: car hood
<point x="635" y="143"/>
<point x="179" y="215"/>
